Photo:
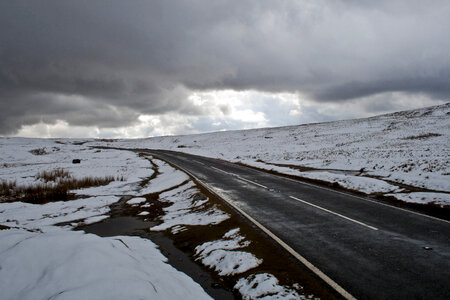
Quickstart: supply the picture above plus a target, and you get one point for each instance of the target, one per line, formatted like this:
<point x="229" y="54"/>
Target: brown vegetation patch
<point x="39" y="151"/>
<point x="43" y="151"/>
<point x="4" y="227"/>
<point x="422" y="136"/>
<point x="55" y="187"/>
<point x="57" y="174"/>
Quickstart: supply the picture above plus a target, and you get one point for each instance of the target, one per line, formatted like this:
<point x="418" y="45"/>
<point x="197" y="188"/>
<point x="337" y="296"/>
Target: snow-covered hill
<point x="404" y="154"/>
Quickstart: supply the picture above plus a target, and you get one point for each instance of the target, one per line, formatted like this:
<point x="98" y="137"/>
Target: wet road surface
<point x="363" y="248"/>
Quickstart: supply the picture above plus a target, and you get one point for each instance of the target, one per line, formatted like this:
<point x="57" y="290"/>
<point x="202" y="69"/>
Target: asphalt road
<point x="367" y="249"/>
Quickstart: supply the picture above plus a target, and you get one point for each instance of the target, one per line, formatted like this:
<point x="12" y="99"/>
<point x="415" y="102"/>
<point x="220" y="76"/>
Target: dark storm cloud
<point x="104" y="62"/>
<point x="438" y="87"/>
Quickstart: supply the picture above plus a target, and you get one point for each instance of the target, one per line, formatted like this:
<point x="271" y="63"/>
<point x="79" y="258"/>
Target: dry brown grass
<point x="39" y="151"/>
<point x="56" y="187"/>
<point x="55" y="175"/>
<point x="422" y="137"/>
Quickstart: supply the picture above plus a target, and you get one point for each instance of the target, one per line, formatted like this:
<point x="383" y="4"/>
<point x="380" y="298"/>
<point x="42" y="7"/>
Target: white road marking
<point x="255" y="183"/>
<point x="334" y="213"/>
<point x="241" y="178"/>
<point x="365" y="199"/>
<point x="199" y="162"/>
<point x="221" y="170"/>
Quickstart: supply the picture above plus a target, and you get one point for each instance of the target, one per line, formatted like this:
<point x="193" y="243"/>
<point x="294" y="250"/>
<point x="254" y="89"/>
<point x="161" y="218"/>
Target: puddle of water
<point x="118" y="226"/>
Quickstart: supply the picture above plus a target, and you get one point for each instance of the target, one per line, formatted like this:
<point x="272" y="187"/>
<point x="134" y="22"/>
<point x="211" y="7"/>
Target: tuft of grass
<point x="6" y="188"/>
<point x="39" y="151"/>
<point x="56" y="187"/>
<point x="55" y="175"/>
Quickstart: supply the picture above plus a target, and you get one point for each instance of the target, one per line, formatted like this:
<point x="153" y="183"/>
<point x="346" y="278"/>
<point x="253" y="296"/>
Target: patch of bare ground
<point x="79" y="143"/>
<point x="422" y="136"/>
<point x="44" y="150"/>
<point x="108" y="140"/>
<point x="55" y="186"/>
<point x="186" y="146"/>
<point x="2" y="227"/>
<point x="154" y="168"/>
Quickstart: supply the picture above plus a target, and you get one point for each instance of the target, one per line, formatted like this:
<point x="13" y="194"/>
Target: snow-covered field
<point x="405" y="155"/>
<point x="40" y="260"/>
<point x="42" y="257"/>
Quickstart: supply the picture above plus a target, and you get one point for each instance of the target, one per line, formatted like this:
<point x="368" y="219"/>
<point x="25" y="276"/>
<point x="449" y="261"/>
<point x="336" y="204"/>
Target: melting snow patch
<point x="231" y="262"/>
<point x="362" y="184"/>
<point x="167" y="178"/>
<point x="94" y="219"/>
<point x="45" y="215"/>
<point x="188" y="209"/>
<point x="264" y="286"/>
<point x="232" y="240"/>
<point x="424" y="198"/>
<point x="177" y="229"/>
<point x="219" y="255"/>
<point x="136" y="200"/>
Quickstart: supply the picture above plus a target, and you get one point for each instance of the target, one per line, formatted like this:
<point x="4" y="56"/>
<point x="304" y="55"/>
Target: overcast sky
<point x="145" y="68"/>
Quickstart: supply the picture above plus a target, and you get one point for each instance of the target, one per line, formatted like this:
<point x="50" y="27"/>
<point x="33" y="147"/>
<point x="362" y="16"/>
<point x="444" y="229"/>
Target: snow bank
<point x="424" y="198"/>
<point x="362" y="184"/>
<point x="265" y="286"/>
<point x="221" y="255"/>
<point x="72" y="265"/>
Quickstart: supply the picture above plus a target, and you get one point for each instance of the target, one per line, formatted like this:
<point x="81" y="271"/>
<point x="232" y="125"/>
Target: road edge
<point x="279" y="241"/>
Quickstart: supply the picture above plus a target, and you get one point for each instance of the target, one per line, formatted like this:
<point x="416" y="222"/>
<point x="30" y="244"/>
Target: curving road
<point x="363" y="248"/>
